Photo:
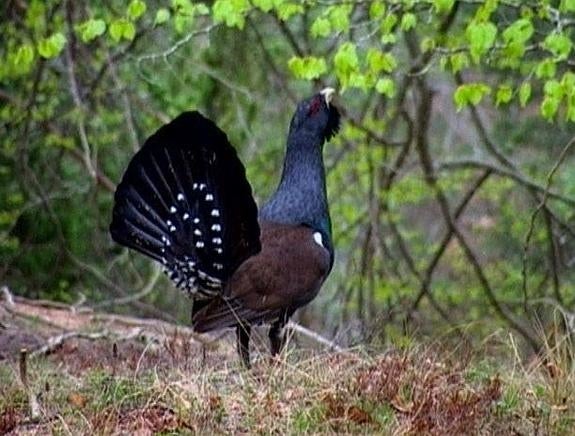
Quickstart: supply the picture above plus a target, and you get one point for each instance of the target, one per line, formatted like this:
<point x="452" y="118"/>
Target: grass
<point x="101" y="388"/>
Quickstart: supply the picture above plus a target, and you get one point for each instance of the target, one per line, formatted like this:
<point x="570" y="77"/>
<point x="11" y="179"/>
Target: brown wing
<point x="286" y="274"/>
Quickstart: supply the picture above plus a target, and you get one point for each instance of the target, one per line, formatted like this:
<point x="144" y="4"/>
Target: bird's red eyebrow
<point x="314" y="106"/>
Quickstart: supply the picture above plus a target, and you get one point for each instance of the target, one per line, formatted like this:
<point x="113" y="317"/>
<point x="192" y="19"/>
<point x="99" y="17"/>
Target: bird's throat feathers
<point x="301" y="196"/>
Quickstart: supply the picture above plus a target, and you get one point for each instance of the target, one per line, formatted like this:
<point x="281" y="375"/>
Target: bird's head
<point x="317" y="116"/>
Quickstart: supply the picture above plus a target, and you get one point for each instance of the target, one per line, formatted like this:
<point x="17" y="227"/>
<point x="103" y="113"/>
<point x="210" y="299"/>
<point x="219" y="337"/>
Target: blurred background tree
<point x="451" y="186"/>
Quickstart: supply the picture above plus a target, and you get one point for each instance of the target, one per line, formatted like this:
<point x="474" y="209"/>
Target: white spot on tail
<point x="186" y="216"/>
<point x="200" y="244"/>
<point x="218" y="266"/>
<point x="202" y="186"/>
<point x="215" y="212"/>
<point x="318" y="239"/>
<point x="219" y="250"/>
<point x="180" y="197"/>
<point x="197" y="232"/>
<point x="209" y="197"/>
<point x="173" y="209"/>
<point x="217" y="241"/>
<point x="168" y="223"/>
<point x="202" y="275"/>
<point x="195" y="186"/>
<point x="172" y="228"/>
<point x="196" y="220"/>
<point x="216" y="228"/>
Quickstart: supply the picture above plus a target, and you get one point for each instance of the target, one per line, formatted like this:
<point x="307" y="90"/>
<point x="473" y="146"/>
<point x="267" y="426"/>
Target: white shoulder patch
<point x="318" y="239"/>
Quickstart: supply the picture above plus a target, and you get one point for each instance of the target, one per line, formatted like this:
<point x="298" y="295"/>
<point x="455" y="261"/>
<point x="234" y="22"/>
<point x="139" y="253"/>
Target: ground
<point x="70" y="371"/>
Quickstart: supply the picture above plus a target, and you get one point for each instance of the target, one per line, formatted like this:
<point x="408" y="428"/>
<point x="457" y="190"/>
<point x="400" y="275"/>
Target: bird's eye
<point x="314" y="106"/>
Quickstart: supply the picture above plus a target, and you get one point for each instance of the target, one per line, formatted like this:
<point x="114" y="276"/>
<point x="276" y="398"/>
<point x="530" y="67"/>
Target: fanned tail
<point x="184" y="201"/>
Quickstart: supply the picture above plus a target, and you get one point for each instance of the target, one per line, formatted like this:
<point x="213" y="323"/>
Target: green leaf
<point x="570" y="113"/>
<point x="385" y="86"/>
<point x="552" y="88"/>
<point x="201" y="9"/>
<point x="183" y="7"/>
<point x="117" y="30"/>
<point x="524" y="93"/>
<point x="515" y="38"/>
<point x="23" y="59"/>
<point x="442" y="6"/>
<point x="379" y="61"/>
<point x="377" y="10"/>
<point x="480" y="37"/>
<point x="390" y="38"/>
<point x="408" y="21"/>
<point x="264" y="5"/>
<point x="346" y="62"/>
<point x="129" y="31"/>
<point x="549" y="107"/>
<point x="503" y="95"/>
<point x="182" y="22"/>
<point x="459" y="61"/>
<point x="554" y="93"/>
<point x="567" y="6"/>
<point x="307" y="68"/>
<point x="470" y="93"/>
<point x="231" y="12"/>
<point x="35" y="15"/>
<point x="136" y="9"/>
<point x="388" y="23"/>
<point x="546" y="69"/>
<point x="91" y="29"/>
<point x="162" y="16"/>
<point x="51" y="47"/>
<point x="568" y="83"/>
<point x="339" y="17"/>
<point x="559" y="44"/>
<point x="361" y="81"/>
<point x="568" y="91"/>
<point x="427" y="44"/>
<point x="122" y="29"/>
<point x="287" y="10"/>
<point x="321" y="27"/>
<point x="520" y="31"/>
<point x="485" y="10"/>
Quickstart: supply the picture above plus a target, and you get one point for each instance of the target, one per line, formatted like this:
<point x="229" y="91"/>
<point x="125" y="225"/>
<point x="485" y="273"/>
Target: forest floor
<point x="69" y="371"/>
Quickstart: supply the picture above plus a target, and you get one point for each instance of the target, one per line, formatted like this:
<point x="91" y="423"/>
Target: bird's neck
<point x="301" y="196"/>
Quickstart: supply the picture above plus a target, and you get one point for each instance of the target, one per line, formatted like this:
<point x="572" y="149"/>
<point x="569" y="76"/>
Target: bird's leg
<point x="277" y="336"/>
<point x="243" y="343"/>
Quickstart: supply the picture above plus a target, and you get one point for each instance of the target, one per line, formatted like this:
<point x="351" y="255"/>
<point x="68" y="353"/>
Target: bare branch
<point x="147" y="289"/>
<point x="423" y="117"/>
<point x="541" y="205"/>
<point x="469" y="163"/>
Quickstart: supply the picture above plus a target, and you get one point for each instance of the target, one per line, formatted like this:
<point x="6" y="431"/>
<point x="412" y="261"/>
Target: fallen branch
<point x="7" y="295"/>
<point x="32" y="398"/>
<point x="118" y="327"/>
<point x="315" y="336"/>
<point x="57" y="341"/>
<point x="69" y="320"/>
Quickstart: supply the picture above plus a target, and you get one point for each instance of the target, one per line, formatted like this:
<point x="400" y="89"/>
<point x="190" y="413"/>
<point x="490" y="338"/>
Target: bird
<point x="184" y="201"/>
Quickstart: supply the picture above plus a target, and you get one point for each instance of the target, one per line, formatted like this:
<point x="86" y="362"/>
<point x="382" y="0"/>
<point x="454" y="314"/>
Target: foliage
<point x="451" y="196"/>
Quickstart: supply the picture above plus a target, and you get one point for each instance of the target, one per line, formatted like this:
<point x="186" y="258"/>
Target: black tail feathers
<point x="184" y="200"/>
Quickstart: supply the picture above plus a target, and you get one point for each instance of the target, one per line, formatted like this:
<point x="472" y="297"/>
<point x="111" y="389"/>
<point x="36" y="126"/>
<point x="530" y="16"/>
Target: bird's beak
<point x="327" y="94"/>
